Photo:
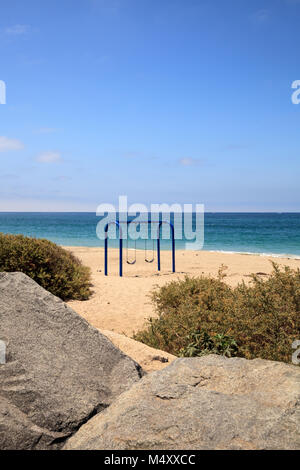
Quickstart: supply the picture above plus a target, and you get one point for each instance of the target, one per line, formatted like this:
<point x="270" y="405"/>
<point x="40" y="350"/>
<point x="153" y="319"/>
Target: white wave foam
<point x="272" y="255"/>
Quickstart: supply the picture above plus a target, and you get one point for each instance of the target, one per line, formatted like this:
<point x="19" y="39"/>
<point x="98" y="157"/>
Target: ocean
<point x="275" y="234"/>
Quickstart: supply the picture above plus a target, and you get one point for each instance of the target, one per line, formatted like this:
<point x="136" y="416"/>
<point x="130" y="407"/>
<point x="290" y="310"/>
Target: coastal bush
<point x="203" y="314"/>
<point x="51" y="266"/>
<point x="201" y="343"/>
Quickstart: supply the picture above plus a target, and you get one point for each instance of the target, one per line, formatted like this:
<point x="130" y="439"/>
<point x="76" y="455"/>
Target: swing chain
<point x="127" y="252"/>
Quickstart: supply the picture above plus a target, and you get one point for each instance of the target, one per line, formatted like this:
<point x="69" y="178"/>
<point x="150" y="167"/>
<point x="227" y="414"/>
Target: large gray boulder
<point x="59" y="370"/>
<point x="202" y="403"/>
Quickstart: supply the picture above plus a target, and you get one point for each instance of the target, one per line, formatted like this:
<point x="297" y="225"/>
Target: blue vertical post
<point x="158" y="251"/>
<point x="105" y="251"/>
<point x="173" y="245"/>
<point x="120" y="253"/>
<point x="120" y="248"/>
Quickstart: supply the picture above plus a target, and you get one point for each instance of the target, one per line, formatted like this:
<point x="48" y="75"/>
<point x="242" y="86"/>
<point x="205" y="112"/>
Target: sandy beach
<point x="122" y="305"/>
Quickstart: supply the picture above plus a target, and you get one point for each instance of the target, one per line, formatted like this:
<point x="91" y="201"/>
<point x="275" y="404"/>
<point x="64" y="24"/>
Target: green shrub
<point x="51" y="266"/>
<point x="201" y="343"/>
<point x="261" y="319"/>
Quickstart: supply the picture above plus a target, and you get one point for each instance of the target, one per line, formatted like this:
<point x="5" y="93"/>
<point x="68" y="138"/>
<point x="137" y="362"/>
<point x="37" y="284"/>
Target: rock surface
<point x="202" y="403"/>
<point x="59" y="370"/>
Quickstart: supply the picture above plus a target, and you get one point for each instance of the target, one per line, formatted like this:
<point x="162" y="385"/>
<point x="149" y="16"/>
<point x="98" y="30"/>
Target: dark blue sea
<point x="265" y="233"/>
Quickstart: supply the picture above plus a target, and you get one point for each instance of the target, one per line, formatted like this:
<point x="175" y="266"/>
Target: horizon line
<point x="149" y="212"/>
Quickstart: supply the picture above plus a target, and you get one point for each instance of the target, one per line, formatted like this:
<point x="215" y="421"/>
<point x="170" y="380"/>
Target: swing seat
<point x="127" y="254"/>
<point x="146" y="259"/>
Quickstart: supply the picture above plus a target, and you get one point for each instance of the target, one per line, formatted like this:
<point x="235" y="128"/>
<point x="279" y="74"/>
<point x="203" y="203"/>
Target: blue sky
<point x="183" y="101"/>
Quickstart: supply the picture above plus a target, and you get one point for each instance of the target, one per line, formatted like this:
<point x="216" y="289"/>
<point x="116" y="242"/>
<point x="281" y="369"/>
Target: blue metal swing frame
<point x="118" y="224"/>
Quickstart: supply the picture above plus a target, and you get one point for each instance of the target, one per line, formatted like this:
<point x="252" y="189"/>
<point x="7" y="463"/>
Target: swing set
<point x="133" y="261"/>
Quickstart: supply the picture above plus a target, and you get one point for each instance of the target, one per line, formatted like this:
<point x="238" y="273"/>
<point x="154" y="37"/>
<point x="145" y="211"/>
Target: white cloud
<point x="7" y="144"/>
<point x="61" y="178"/>
<point x="133" y="155"/>
<point x="187" y="161"/>
<point x="45" y="130"/>
<point x="261" y="16"/>
<point x="17" y="29"/>
<point x="235" y="147"/>
<point x="108" y="6"/>
<point x="49" y="157"/>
